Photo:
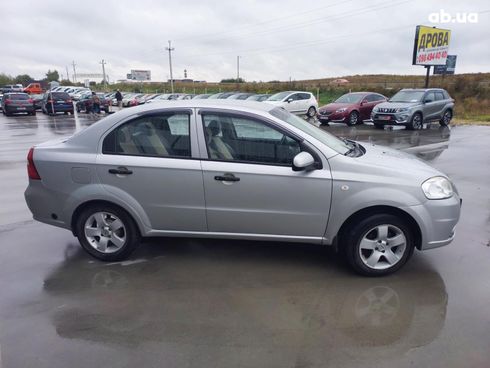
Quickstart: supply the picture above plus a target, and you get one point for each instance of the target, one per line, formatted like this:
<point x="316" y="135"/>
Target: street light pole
<point x="103" y="74"/>
<point x="238" y="72"/>
<point x="170" y="49"/>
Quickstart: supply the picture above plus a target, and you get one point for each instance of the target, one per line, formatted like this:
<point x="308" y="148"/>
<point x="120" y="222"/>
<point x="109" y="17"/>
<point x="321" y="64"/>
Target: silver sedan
<point x="241" y="170"/>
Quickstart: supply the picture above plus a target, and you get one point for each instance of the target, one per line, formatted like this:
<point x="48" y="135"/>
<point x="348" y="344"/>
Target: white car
<point x="296" y="102"/>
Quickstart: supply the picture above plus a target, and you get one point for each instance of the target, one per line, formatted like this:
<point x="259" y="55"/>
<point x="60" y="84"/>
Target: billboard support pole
<point x="427" y="67"/>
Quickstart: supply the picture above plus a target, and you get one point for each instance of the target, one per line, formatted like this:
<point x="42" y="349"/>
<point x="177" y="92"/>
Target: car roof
<point x="422" y="89"/>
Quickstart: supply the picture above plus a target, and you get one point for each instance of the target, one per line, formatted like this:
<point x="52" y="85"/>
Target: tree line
<point x="25" y="79"/>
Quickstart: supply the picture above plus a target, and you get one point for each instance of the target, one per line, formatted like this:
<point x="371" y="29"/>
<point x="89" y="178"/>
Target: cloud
<point x="275" y="40"/>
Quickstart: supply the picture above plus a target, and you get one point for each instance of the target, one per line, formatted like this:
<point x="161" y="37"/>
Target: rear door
<point x="250" y="187"/>
<point x="441" y="103"/>
<point x="431" y="106"/>
<point x="152" y="160"/>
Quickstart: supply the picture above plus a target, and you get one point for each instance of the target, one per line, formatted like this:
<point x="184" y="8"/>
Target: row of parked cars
<point x="409" y="107"/>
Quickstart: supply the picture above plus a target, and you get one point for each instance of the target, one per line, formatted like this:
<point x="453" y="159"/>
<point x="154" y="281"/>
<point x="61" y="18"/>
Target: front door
<point x="250" y="187"/>
<point x="148" y="160"/>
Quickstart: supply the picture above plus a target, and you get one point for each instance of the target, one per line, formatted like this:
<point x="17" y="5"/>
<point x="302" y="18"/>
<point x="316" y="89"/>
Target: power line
<point x="346" y="14"/>
<point x="295" y="15"/>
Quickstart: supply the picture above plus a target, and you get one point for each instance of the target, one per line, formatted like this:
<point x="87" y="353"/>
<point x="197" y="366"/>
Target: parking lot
<point x="226" y="303"/>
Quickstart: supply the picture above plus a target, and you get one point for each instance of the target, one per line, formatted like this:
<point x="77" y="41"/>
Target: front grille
<point x="387" y="110"/>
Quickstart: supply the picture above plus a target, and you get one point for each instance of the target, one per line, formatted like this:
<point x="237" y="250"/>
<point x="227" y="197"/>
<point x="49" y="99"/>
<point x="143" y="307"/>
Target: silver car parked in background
<point x="414" y="107"/>
<point x="242" y="170"/>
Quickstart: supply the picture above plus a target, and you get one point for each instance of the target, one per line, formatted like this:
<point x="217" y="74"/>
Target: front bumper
<point x="335" y="117"/>
<point x="437" y="220"/>
<point x="390" y="119"/>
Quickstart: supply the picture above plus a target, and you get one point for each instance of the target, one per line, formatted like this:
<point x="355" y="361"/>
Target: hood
<point x="396" y="105"/>
<point x="389" y="168"/>
<point x="335" y="106"/>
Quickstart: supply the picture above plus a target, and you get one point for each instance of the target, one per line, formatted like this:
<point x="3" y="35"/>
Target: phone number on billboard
<point x="422" y="58"/>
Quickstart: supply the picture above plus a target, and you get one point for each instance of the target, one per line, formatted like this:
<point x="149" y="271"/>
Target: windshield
<point x="349" y="98"/>
<point x="279" y="96"/>
<point x="407" y="96"/>
<point x="326" y="138"/>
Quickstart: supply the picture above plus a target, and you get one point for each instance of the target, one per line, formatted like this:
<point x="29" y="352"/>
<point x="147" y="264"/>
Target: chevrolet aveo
<point x="241" y="170"/>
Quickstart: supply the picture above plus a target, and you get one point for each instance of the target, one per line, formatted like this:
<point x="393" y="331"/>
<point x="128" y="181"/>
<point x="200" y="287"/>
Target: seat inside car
<point x="218" y="149"/>
<point x="147" y="140"/>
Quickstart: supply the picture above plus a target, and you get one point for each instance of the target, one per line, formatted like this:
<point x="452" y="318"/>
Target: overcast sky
<point x="276" y="40"/>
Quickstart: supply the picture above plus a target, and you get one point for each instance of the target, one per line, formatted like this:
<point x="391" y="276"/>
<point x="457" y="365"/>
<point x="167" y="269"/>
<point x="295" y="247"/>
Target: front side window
<point x="234" y="138"/>
<point x="161" y="135"/>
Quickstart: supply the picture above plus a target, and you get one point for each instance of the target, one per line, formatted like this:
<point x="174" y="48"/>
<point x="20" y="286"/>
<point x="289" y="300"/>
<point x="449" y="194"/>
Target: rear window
<point x="19" y="96"/>
<point x="60" y="95"/>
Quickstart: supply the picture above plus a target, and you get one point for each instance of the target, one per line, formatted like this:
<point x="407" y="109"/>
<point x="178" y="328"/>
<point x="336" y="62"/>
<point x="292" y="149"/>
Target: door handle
<point x="226" y="177"/>
<point x="121" y="170"/>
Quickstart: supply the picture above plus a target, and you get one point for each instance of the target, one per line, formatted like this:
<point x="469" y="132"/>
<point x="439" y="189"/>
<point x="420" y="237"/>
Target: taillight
<point x="50" y="101"/>
<point x="7" y="101"/>
<point x="30" y="100"/>
<point x="68" y="101"/>
<point x="31" y="168"/>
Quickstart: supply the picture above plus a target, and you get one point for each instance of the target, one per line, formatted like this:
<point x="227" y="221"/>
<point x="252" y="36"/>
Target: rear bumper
<point x="19" y="109"/>
<point x="59" y="108"/>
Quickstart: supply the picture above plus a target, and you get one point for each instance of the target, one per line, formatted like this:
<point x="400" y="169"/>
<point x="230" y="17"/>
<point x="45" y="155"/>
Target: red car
<point x="351" y="108"/>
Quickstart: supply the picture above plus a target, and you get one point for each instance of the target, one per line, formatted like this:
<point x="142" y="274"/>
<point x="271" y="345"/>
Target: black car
<point x="38" y="100"/>
<point x="54" y="102"/>
<point x="16" y="102"/>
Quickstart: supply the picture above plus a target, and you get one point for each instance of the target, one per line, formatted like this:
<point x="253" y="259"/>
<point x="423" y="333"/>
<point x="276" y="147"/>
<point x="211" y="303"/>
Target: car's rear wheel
<point x="378" y="245"/>
<point x="446" y="118"/>
<point x="416" y="122"/>
<point x="353" y="118"/>
<point x="107" y="232"/>
<point x="311" y="112"/>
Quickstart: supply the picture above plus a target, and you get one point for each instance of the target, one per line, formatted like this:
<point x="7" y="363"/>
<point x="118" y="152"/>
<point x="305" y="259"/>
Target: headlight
<point x="437" y="187"/>
<point x="402" y="109"/>
<point x="342" y="109"/>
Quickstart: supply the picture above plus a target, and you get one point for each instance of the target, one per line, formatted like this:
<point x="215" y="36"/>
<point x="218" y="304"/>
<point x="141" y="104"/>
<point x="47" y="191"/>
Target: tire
<point x="378" y="126"/>
<point x="107" y="232"/>
<point x="446" y="118"/>
<point x="353" y="118"/>
<point x="366" y="244"/>
<point x="311" y="112"/>
<point x="416" y="122"/>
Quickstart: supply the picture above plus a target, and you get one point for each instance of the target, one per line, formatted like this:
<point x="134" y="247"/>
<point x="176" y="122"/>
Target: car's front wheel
<point x="353" y="118"/>
<point x="416" y="122"/>
<point x="378" y="245"/>
<point x="107" y="232"/>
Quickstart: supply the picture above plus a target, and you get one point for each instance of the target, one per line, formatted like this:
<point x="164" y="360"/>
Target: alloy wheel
<point x="382" y="247"/>
<point x="105" y="232"/>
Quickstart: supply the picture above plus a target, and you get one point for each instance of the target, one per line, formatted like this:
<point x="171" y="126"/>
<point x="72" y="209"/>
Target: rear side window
<point x="305" y="96"/>
<point x="439" y="96"/>
<point x="19" y="96"/>
<point x="59" y="95"/>
<point x="160" y="135"/>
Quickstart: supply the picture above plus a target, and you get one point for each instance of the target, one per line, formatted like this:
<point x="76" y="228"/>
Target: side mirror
<point x="303" y="161"/>
<point x="289" y="100"/>
<point x="427" y="101"/>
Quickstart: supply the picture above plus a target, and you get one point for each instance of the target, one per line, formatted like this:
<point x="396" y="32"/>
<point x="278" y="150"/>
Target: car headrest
<point x="214" y="127"/>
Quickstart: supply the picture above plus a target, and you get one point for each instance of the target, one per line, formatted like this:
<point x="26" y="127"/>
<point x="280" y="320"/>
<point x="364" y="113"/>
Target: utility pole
<point x="238" y="72"/>
<point x="170" y="49"/>
<point x="74" y="71"/>
<point x="427" y="73"/>
<point x="67" y="75"/>
<point x="103" y="63"/>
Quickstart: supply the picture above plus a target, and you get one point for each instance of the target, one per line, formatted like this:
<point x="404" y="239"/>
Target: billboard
<point x="431" y="46"/>
<point x="139" y="75"/>
<point x="449" y="68"/>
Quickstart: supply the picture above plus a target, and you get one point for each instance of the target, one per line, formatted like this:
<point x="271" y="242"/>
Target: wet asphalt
<point x="209" y="303"/>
